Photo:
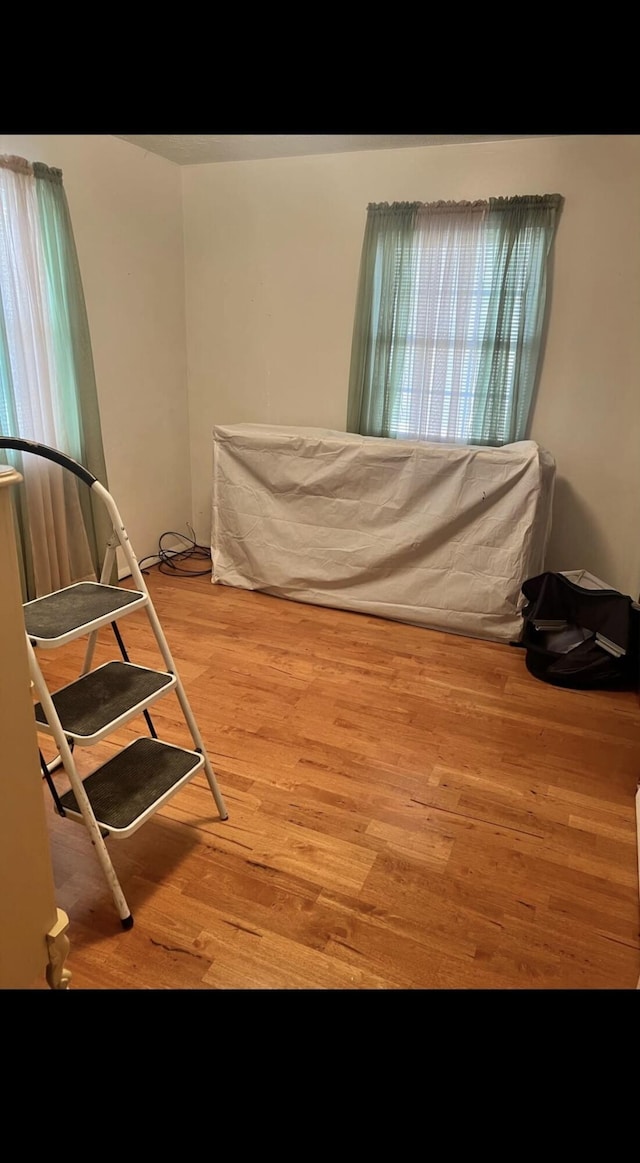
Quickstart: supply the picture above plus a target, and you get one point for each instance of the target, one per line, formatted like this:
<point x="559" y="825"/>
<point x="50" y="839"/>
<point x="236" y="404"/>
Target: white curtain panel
<point x="59" y="545"/>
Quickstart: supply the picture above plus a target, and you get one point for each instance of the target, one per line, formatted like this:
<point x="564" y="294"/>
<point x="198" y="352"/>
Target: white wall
<point x="272" y="252"/>
<point x="127" y="220"/>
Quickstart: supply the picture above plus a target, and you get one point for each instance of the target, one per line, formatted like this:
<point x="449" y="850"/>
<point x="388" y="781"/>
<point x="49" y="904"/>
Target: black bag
<point x="578" y="637"/>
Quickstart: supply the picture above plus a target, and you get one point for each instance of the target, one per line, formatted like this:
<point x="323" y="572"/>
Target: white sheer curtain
<point x="31" y="406"/>
<point x="447" y="322"/>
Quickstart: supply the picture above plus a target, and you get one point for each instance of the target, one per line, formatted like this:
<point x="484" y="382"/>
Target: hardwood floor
<point x="408" y="810"/>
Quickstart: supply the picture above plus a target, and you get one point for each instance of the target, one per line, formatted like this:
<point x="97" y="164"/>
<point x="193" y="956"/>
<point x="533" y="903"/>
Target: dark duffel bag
<point x="578" y="637"/>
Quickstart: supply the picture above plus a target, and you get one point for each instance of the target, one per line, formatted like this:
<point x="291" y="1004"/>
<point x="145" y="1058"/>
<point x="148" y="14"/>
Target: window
<point x="449" y="319"/>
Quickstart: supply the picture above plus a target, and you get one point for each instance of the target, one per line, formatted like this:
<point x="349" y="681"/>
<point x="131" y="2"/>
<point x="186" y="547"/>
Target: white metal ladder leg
<point x="132" y="561"/>
<point x="69" y="765"/>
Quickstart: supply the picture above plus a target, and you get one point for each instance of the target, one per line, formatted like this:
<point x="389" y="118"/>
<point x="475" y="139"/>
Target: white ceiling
<point x="196" y="148"/>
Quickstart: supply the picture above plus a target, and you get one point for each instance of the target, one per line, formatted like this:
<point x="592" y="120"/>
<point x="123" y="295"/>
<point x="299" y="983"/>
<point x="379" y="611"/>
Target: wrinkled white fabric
<point x="440" y="536"/>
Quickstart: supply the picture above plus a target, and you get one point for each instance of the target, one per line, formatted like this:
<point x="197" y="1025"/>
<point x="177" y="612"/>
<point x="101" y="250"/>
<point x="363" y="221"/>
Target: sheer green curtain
<point x="47" y="379"/>
<point x="520" y="233"/>
<point x="383" y="310"/>
<point x="449" y="319"/>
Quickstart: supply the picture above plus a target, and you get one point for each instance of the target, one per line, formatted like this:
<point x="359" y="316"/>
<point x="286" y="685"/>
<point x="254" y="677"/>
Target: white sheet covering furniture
<point x="440" y="536"/>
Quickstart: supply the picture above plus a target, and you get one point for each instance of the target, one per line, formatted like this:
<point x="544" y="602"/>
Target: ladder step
<point x="128" y="789"/>
<point x="105" y="699"/>
<point x="76" y="610"/>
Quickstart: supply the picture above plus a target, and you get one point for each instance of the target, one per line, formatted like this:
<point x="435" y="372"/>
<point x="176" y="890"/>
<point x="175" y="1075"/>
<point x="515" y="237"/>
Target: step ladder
<point x="118" y="796"/>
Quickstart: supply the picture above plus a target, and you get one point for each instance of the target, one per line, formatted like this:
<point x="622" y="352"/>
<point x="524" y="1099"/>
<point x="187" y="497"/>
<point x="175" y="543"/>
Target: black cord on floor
<point x="170" y="561"/>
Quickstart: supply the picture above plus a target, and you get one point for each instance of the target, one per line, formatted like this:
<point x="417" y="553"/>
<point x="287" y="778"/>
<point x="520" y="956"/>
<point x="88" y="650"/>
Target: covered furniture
<point x="440" y="536"/>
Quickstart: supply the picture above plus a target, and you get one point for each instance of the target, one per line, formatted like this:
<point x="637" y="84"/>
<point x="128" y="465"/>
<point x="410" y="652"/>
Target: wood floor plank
<point x="408" y="810"/>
